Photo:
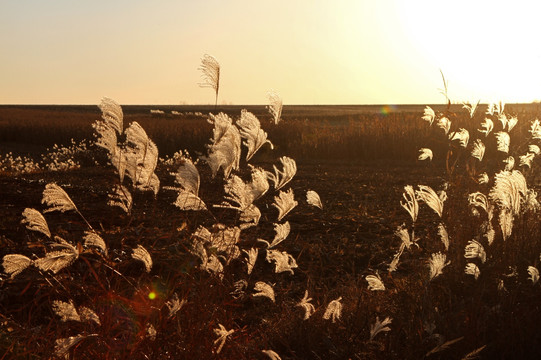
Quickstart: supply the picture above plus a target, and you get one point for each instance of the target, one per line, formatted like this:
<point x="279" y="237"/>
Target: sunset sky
<point x="309" y="51"/>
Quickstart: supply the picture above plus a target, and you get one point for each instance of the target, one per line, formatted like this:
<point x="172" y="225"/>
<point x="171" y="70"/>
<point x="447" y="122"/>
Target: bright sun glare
<point x="487" y="50"/>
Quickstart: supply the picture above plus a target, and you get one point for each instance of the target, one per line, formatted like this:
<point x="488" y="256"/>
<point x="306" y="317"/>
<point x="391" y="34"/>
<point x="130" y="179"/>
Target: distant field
<point x="334" y="132"/>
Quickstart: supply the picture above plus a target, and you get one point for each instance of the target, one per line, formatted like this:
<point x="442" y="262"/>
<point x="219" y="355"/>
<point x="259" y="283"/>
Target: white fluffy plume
<point x="58" y="260"/>
<point x="429" y="197"/>
<point x="14" y="264"/>
<point x="224" y="150"/>
<point x="141" y="254"/>
<point x="34" y="220"/>
<point x="210" y="68"/>
<point x="57" y="199"/>
<point x="275" y="106"/>
<point x="281" y="178"/>
<point x="187" y="176"/>
<point x="250" y="130"/>
<point x="112" y="115"/>
<point x="284" y="202"/>
<point x="312" y="198"/>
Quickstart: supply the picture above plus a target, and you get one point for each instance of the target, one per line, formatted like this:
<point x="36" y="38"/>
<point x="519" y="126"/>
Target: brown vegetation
<point x="357" y="160"/>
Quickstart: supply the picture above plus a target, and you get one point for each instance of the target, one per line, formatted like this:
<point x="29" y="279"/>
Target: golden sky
<point x="309" y="51"/>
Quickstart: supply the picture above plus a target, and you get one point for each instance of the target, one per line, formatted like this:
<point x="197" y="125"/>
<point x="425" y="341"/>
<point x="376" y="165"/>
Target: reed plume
<point x="210" y="68"/>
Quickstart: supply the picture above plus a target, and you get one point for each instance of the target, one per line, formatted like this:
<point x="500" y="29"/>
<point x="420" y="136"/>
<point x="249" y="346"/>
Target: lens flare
<point x="152" y="295"/>
<point x="387" y="109"/>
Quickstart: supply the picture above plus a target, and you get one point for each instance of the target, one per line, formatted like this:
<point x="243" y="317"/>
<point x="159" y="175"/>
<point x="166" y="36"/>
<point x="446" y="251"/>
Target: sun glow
<point x="487" y="50"/>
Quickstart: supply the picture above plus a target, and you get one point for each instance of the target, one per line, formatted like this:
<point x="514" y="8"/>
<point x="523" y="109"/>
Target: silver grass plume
<point x="66" y="311"/>
<point x="57" y="199"/>
<point x="309" y="309"/>
<point x="478" y="199"/>
<point x="141" y="254"/>
<point x="429" y="197"/>
<point x="250" y="130"/>
<point x="150" y="329"/>
<point x="475" y="250"/>
<point x="222" y="334"/>
<point x="271" y="354"/>
<point x="224" y="240"/>
<point x="502" y="140"/>
<point x="379" y="327"/>
<point x="534" y="149"/>
<point x="281" y="178"/>
<point x="224" y="151"/>
<point x="186" y="200"/>
<point x="444" y="124"/>
<point x="63" y="345"/>
<point x="210" y="68"/>
<point x="506" y="220"/>
<point x="375" y="283"/>
<point x="120" y="196"/>
<point x="264" y="290"/>
<point x="486" y="126"/>
<point x="240" y="195"/>
<point x="425" y="153"/>
<point x="112" y="115"/>
<point x="91" y="239"/>
<point x="444" y="346"/>
<point x="312" y="198"/>
<point x="283" y="262"/>
<point x="124" y="162"/>
<point x="403" y="234"/>
<point x="471" y="107"/>
<point x="14" y="264"/>
<point x="334" y="310"/>
<point x="535" y="129"/>
<point x="284" y="202"/>
<point x="187" y="176"/>
<point x="509" y="189"/>
<point x="444" y="236"/>
<point x="534" y="274"/>
<point x="275" y="106"/>
<point x="509" y="163"/>
<point x="282" y="231"/>
<point x="472" y="269"/>
<point x="511" y="122"/>
<point x="202" y="233"/>
<point x="174" y="305"/>
<point x="436" y="264"/>
<point x="490" y="109"/>
<point x="88" y="315"/>
<point x="429" y="115"/>
<point x="410" y="202"/>
<point x="490" y="233"/>
<point x="145" y="153"/>
<point x="462" y="135"/>
<point x="58" y="260"/>
<point x="478" y="150"/>
<point x="526" y="160"/>
<point x="503" y="119"/>
<point x="252" y="257"/>
<point x="213" y="266"/>
<point x="474" y="354"/>
<point x="222" y="122"/>
<point x="483" y="178"/>
<point x="107" y="139"/>
<point x="249" y="217"/>
<point x="34" y="220"/>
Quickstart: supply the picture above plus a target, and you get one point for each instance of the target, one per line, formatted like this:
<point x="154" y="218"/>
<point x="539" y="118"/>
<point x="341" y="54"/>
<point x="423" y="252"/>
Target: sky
<point x="307" y="51"/>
